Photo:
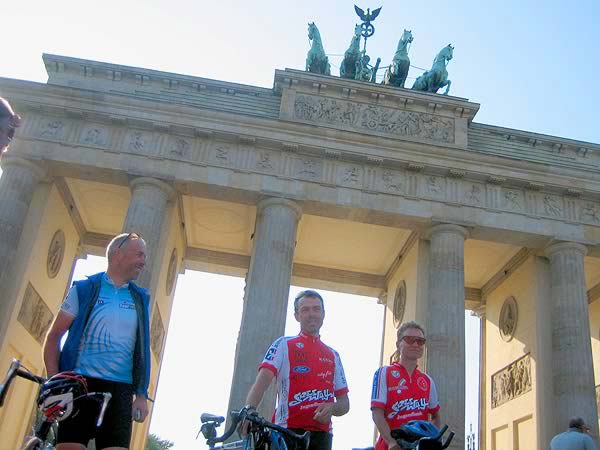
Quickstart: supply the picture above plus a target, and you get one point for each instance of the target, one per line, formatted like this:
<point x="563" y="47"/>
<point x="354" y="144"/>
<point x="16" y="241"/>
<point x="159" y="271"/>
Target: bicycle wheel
<point x="33" y="443"/>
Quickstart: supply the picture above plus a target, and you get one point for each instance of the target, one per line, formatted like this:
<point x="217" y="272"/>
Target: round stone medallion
<point x="509" y="315"/>
<point x="399" y="303"/>
<point x="171" y="271"/>
<point x="56" y="252"/>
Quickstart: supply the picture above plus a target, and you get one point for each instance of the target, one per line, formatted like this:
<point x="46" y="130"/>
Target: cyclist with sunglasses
<point x="311" y="385"/>
<point x="108" y="343"/>
<point x="401" y="392"/>
<point x="9" y="121"/>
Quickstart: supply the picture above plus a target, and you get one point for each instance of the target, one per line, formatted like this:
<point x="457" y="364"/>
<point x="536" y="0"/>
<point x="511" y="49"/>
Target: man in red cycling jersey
<point x="311" y="385"/>
<point x="401" y="392"/>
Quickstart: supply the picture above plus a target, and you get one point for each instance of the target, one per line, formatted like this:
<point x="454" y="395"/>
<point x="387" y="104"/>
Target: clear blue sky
<point x="532" y="65"/>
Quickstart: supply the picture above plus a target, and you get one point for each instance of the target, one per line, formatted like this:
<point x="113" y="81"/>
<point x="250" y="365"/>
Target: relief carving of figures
<point x="512" y="200"/>
<point x="222" y="154"/>
<point x="391" y="181"/>
<point x="264" y="161"/>
<point x="94" y="136"/>
<point x="180" y="147"/>
<point x="589" y="211"/>
<point x="350" y="175"/>
<point x="512" y="381"/>
<point x="474" y="195"/>
<point x="34" y="314"/>
<point x="374" y="118"/>
<point x="137" y="141"/>
<point x="434" y="186"/>
<point x="52" y="129"/>
<point x="308" y="168"/>
<point x="157" y="334"/>
<point x="552" y="206"/>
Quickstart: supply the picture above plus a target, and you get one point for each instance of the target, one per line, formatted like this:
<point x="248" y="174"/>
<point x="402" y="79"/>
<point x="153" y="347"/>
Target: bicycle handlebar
<point x="252" y="416"/>
<point x="15" y="371"/>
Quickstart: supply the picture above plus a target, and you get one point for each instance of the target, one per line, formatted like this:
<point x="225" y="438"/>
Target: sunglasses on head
<point x="130" y="235"/>
<point x="410" y="340"/>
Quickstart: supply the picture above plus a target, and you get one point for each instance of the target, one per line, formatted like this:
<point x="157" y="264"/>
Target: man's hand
<point x="245" y="425"/>
<point x="139" y="410"/>
<point x="393" y="445"/>
<point x="324" y="412"/>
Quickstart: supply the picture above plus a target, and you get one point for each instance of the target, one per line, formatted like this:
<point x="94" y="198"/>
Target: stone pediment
<point x="373" y="109"/>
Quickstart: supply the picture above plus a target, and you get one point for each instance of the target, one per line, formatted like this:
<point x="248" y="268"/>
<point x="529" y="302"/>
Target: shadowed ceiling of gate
<point x="224" y="229"/>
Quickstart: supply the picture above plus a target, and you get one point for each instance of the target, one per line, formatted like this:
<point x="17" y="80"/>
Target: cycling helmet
<point x="57" y="394"/>
<point x="416" y="429"/>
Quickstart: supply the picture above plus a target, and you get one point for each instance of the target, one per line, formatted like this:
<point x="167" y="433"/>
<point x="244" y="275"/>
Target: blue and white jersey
<point x="106" y="349"/>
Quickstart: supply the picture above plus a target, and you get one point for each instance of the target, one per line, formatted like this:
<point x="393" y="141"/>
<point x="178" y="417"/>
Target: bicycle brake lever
<point x="107" y="397"/>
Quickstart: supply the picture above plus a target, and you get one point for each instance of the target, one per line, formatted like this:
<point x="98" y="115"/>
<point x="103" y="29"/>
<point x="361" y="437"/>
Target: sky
<point x="531" y="65"/>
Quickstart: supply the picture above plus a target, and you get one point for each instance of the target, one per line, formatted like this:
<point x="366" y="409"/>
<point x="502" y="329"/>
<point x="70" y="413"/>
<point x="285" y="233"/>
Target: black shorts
<point x="319" y="440"/>
<point x="115" y="430"/>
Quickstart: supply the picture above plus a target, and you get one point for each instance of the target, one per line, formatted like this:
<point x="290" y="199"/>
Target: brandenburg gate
<point x="320" y="181"/>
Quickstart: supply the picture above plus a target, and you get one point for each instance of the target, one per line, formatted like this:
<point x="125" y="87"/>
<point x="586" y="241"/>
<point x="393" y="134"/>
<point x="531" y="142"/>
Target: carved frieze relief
<point x="157" y="334"/>
<point x="54" y="129"/>
<point x="266" y="161"/>
<point x="308" y="168"/>
<point x="513" y="200"/>
<point x="34" y="315"/>
<point x="138" y="142"/>
<point x="349" y="175"/>
<point x="94" y="135"/>
<point x="589" y="212"/>
<point x="179" y="148"/>
<point x="434" y="187"/>
<point x="552" y="205"/>
<point x="222" y="154"/>
<point x="473" y="194"/>
<point x="369" y="118"/>
<point x="392" y="181"/>
<point x="512" y="381"/>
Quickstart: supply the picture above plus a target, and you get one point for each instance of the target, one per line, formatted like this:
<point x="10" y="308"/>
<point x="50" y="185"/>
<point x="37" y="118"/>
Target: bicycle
<point x="420" y="435"/>
<point x="55" y="401"/>
<point x="262" y="434"/>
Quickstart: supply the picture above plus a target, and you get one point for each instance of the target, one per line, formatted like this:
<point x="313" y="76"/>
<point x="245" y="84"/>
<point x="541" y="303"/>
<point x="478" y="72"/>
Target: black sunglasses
<point x="130" y="235"/>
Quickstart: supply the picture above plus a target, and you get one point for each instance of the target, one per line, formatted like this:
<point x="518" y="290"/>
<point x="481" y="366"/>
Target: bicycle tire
<point x="34" y="443"/>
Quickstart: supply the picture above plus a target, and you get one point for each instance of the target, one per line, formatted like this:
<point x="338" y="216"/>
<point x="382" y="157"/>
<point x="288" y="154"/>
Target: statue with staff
<point x="364" y="71"/>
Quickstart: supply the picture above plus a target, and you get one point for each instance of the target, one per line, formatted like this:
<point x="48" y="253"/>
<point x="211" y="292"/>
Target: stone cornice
<point x="311" y="83"/>
<point x="68" y="71"/>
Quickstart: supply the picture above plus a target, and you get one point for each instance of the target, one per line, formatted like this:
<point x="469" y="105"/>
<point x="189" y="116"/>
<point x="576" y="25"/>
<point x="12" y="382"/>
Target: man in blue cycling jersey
<point x="575" y="438"/>
<point x="108" y="343"/>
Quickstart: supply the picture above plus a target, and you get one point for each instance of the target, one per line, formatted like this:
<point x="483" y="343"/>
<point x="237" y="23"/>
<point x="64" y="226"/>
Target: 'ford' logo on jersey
<point x="301" y="369"/>
<point x="299" y="345"/>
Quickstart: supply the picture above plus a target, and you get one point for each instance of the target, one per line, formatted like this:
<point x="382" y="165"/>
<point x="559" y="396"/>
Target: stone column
<point x="18" y="183"/>
<point x="146" y="213"/>
<point x="480" y="312"/>
<point x="446" y="324"/>
<point x="266" y="294"/>
<point x="572" y="365"/>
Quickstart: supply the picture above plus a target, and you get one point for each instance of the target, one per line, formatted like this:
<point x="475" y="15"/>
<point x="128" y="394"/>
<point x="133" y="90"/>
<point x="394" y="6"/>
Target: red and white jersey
<point x="308" y="373"/>
<point x="403" y="397"/>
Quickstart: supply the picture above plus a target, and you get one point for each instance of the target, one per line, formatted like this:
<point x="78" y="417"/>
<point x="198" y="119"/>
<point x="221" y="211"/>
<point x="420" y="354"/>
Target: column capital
<point x="10" y="160"/>
<point x="479" y="311"/>
<point x="272" y="201"/>
<point x="562" y="246"/>
<point x="139" y="181"/>
<point x="446" y="228"/>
